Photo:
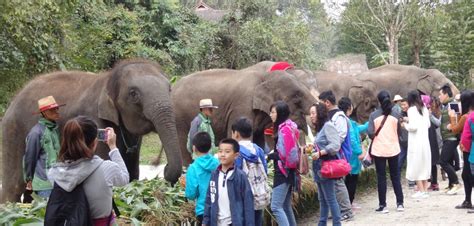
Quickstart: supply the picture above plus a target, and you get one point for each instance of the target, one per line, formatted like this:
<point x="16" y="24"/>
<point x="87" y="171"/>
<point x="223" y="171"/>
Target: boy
<point x="252" y="154"/>
<point x="199" y="172"/>
<point x="229" y="185"/>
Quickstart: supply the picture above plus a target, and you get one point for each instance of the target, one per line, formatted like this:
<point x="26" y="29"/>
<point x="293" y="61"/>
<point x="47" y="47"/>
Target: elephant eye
<point x="134" y="95"/>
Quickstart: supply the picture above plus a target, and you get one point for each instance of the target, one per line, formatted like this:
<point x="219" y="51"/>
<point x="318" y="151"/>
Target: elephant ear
<point x="107" y="110"/>
<point x="425" y="84"/>
<point x="262" y="97"/>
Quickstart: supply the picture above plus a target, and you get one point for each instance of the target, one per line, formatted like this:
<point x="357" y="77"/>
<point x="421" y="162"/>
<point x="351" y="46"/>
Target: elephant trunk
<point x="164" y="121"/>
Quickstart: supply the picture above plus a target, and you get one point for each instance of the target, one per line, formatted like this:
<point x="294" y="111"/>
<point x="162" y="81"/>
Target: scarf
<point x="50" y="144"/>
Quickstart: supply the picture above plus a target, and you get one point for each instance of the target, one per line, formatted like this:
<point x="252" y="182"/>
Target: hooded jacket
<point x="251" y="153"/>
<point x="98" y="177"/>
<point x="197" y="180"/>
<point x="240" y="195"/>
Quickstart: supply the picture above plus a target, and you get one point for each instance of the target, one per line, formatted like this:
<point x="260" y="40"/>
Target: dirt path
<point x="438" y="209"/>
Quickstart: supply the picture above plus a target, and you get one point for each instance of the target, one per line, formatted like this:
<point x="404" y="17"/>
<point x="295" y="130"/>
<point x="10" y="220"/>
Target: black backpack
<point x="68" y="208"/>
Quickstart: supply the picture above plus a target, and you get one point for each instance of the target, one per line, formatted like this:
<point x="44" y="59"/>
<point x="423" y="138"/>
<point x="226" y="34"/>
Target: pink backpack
<point x="287" y="146"/>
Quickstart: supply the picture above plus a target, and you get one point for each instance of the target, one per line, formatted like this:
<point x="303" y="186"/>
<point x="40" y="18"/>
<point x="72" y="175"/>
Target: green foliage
<point x="12" y="214"/>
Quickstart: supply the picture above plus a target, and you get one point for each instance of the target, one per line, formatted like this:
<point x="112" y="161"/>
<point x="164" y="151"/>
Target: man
<point x="202" y="123"/>
<point x="397" y="100"/>
<point x="42" y="148"/>
<point x="403" y="138"/>
<point x="341" y="123"/>
<point x="450" y="142"/>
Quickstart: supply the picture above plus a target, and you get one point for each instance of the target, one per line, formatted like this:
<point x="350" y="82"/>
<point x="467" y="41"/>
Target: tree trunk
<point x="416" y="50"/>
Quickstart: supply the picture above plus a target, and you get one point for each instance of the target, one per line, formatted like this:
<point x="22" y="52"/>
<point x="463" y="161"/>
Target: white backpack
<point x="258" y="182"/>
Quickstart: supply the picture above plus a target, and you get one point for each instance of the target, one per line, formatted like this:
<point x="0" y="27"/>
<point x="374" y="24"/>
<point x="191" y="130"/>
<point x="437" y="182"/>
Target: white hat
<point x="206" y="103"/>
<point x="397" y="98"/>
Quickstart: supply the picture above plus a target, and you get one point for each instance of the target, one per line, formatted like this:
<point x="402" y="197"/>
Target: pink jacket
<point x="466" y="136"/>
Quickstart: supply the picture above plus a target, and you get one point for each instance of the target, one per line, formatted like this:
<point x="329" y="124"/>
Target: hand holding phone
<point x="455" y="107"/>
<point x="102" y="135"/>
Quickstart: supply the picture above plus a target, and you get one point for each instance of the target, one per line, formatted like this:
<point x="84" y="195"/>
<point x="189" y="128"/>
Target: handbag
<point x="367" y="161"/>
<point x="304" y="165"/>
<point x="335" y="168"/>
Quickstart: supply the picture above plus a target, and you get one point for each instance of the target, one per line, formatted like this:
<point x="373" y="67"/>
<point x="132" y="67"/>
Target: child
<point x="252" y="154"/>
<point x="199" y="172"/>
<point x="229" y="185"/>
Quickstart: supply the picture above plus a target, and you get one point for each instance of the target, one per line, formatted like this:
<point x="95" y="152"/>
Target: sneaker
<point x="355" y="206"/>
<point x="470" y="211"/>
<point x="434" y="187"/>
<point x="417" y="195"/>
<point x="347" y="217"/>
<point x="382" y="209"/>
<point x="464" y="205"/>
<point x="425" y="195"/>
<point x="446" y="189"/>
<point x="400" y="208"/>
<point x="454" y="189"/>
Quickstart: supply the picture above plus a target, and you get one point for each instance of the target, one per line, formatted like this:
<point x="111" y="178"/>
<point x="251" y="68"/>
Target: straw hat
<point x="206" y="103"/>
<point x="47" y="103"/>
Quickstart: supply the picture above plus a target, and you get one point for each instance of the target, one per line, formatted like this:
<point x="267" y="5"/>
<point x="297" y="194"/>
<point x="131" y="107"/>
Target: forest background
<point x="40" y="36"/>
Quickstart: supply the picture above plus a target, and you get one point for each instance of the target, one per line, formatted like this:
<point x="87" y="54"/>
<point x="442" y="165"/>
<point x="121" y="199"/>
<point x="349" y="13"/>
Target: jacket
<point x="201" y="123"/>
<point x="98" y="177"/>
<point x="288" y="136"/>
<point x="327" y="139"/>
<point x="251" y="153"/>
<point x="240" y="195"/>
<point x="386" y="144"/>
<point x="445" y="120"/>
<point x="355" y="131"/>
<point x="466" y="136"/>
<point x="197" y="180"/>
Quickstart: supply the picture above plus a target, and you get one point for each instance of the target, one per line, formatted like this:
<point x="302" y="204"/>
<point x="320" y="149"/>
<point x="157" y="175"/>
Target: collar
<point x="228" y="170"/>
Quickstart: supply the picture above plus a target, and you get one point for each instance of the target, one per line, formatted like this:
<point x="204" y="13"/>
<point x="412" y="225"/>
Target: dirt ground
<point x="438" y="209"/>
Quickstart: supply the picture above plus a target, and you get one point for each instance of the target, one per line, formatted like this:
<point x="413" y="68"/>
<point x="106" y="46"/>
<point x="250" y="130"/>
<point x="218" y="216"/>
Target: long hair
<point x="435" y="106"/>
<point x="322" y="116"/>
<point x="414" y="99"/>
<point x="77" y="139"/>
<point x="466" y="99"/>
<point x="385" y="102"/>
<point x="283" y="113"/>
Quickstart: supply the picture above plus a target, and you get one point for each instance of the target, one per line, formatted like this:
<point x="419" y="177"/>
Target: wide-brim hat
<point x="206" y="103"/>
<point x="47" y="103"/>
<point x="397" y="98"/>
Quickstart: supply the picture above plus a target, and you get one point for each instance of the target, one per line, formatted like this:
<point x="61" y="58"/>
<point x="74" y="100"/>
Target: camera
<point x="102" y="134"/>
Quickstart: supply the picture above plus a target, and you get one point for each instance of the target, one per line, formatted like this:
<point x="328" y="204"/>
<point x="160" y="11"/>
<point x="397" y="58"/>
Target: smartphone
<point x="455" y="107"/>
<point x="102" y="135"/>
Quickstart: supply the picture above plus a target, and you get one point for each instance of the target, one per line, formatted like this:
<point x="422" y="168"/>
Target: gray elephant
<point x="363" y="96"/>
<point x="400" y="79"/>
<point x="238" y="93"/>
<point x="133" y="98"/>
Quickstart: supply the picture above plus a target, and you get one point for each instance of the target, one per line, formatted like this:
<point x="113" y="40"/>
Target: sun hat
<point x="397" y="98"/>
<point x="281" y="66"/>
<point x="206" y="103"/>
<point x="47" y="103"/>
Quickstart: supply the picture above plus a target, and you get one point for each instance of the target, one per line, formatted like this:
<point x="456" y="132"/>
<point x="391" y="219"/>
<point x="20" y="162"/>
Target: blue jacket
<point x="246" y="154"/>
<point x="197" y="180"/>
<point x="240" y="197"/>
<point x="355" y="131"/>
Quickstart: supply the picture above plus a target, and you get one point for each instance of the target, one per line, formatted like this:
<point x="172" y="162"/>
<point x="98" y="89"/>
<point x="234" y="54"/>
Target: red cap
<point x="281" y="66"/>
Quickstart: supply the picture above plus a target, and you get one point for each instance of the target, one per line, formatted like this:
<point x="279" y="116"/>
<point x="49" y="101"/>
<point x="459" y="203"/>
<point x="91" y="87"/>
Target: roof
<point x="205" y="12"/>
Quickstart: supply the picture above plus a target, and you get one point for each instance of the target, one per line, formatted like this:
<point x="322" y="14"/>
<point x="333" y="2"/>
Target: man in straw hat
<point x="42" y="148"/>
<point x="202" y="123"/>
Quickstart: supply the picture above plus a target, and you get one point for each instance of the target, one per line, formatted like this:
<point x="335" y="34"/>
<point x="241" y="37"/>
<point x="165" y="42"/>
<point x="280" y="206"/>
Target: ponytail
<point x="385" y="102"/>
<point x="77" y="138"/>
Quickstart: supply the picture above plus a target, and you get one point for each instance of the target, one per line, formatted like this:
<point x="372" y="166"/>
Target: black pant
<point x="199" y="220"/>
<point x="380" y="168"/>
<point x="446" y="159"/>
<point x="351" y="184"/>
<point x="434" y="174"/>
<point x="467" y="177"/>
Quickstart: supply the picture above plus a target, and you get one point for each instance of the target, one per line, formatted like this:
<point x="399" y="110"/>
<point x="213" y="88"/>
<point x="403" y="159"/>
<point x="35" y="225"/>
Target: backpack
<point x="346" y="147"/>
<point x="258" y="182"/>
<point x="67" y="208"/>
<point x="288" y="141"/>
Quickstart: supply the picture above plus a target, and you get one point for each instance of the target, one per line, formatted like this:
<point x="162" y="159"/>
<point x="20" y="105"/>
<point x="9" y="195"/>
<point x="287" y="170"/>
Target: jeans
<point x="380" y="167"/>
<point x="434" y="174"/>
<point x="281" y="205"/>
<point x="446" y="159"/>
<point x="351" y="184"/>
<point x="342" y="196"/>
<point x="467" y="177"/>
<point x="258" y="217"/>
<point x="327" y="201"/>
<point x="44" y="193"/>
<point x="401" y="159"/>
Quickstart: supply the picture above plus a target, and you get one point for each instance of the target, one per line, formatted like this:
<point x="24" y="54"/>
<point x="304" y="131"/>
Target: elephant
<point x="401" y="79"/>
<point x="238" y="93"/>
<point x="362" y="95"/>
<point x="133" y="98"/>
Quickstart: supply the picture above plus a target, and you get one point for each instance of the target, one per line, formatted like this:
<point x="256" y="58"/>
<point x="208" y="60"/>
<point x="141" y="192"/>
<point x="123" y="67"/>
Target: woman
<point x="327" y="146"/>
<point x="78" y="164"/>
<point x="285" y="133"/>
<point x="456" y="126"/>
<point x="433" y="105"/>
<point x="355" y="131"/>
<point x="385" y="148"/>
<point x="467" y="146"/>
<point x="419" y="150"/>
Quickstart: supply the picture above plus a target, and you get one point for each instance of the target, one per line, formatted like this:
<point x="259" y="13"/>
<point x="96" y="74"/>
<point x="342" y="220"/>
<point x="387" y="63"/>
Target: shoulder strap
<point x="381" y="125"/>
